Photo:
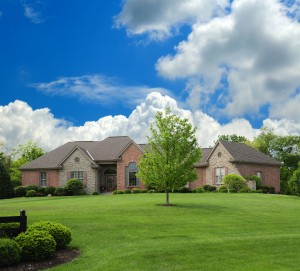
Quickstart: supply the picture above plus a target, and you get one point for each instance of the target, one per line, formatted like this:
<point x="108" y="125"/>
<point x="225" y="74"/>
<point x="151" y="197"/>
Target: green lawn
<point x="203" y="232"/>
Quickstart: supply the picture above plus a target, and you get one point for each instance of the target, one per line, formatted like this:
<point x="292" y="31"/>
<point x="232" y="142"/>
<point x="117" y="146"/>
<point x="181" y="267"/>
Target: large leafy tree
<point x="168" y="164"/>
<point x="294" y="182"/>
<point x="25" y="153"/>
<point x="6" y="188"/>
<point x="233" y="138"/>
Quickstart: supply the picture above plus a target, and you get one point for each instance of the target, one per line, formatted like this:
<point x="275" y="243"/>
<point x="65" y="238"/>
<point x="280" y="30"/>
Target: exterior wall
<point x="222" y="161"/>
<point x="33" y="177"/>
<point x="91" y="184"/>
<point x="270" y="175"/>
<point x="201" y="178"/>
<point x="131" y="154"/>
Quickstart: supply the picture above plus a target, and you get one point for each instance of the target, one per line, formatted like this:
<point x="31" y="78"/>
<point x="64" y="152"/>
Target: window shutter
<point x="84" y="178"/>
<point x="126" y="177"/>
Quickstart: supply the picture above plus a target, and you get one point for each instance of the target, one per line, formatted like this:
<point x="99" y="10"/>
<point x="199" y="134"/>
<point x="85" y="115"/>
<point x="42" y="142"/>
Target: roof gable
<point x="243" y="153"/>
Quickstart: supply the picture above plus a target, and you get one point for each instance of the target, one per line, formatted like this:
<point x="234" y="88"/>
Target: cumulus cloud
<point x="97" y="88"/>
<point x="20" y="123"/>
<point x="241" y="56"/>
<point x="159" y="19"/>
<point x="255" y="47"/>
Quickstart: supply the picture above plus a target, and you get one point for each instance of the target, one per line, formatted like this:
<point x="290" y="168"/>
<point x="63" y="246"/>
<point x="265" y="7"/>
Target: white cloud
<point x="236" y="62"/>
<point x="31" y="12"/>
<point x="20" y="123"/>
<point x="256" y="48"/>
<point x="160" y="18"/>
<point x="97" y="88"/>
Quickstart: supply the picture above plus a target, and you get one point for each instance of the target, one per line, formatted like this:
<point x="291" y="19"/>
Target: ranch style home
<point x="111" y="164"/>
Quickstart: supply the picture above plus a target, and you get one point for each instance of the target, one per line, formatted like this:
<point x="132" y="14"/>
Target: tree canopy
<point x="169" y="162"/>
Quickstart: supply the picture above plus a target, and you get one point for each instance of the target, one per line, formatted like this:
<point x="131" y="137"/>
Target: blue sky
<point x="84" y="70"/>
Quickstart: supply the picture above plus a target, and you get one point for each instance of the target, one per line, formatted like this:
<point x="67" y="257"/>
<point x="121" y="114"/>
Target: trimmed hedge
<point x="36" y="245"/>
<point x="31" y="193"/>
<point x="10" y="252"/>
<point x="60" y="233"/>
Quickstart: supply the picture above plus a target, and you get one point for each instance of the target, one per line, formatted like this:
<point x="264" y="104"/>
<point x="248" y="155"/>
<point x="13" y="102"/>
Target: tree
<point x="294" y="182"/>
<point x="6" y="188"/>
<point x="233" y="138"/>
<point x="26" y="154"/>
<point x="169" y="162"/>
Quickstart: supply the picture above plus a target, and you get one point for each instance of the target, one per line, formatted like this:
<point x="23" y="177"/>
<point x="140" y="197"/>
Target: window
<point x="77" y="175"/>
<point x="131" y="171"/>
<point x="43" y="179"/>
<point x="219" y="173"/>
<point x="258" y="174"/>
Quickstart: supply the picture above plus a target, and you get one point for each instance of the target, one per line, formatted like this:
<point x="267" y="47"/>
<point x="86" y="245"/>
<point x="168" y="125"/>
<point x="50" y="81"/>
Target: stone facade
<point x="78" y="161"/>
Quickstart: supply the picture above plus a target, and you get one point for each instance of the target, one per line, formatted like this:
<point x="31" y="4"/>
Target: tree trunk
<point x="167" y="197"/>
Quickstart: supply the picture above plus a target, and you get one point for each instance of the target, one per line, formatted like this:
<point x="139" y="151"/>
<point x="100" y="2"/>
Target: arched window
<point x="131" y="178"/>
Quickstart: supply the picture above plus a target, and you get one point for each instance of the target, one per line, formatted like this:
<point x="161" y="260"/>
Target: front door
<point x="111" y="182"/>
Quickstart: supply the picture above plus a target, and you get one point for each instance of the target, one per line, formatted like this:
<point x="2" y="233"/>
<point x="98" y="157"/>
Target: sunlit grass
<point x="202" y="232"/>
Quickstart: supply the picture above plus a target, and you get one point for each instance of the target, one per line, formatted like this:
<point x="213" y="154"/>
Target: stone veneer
<point x="216" y="161"/>
<point x="84" y="164"/>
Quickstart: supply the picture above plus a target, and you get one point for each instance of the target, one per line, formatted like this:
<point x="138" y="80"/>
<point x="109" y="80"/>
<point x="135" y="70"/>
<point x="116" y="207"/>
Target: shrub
<point x="10" y="252"/>
<point x="31" y="187"/>
<point x="268" y="189"/>
<point x="60" y="233"/>
<point x="294" y="182"/>
<point x="234" y="181"/>
<point x="115" y="192"/>
<point x="36" y="245"/>
<point x="127" y="191"/>
<point x="223" y="189"/>
<point x="144" y="191"/>
<point x="244" y="190"/>
<point x="256" y="179"/>
<point x="41" y="191"/>
<point x="59" y="191"/>
<point x="152" y="191"/>
<point x="74" y="187"/>
<point x="20" y="191"/>
<point x="233" y="190"/>
<point x="50" y="190"/>
<point x="95" y="193"/>
<point x="258" y="191"/>
<point x="198" y="190"/>
<point x="184" y="190"/>
<point x="209" y="188"/>
<point x="31" y="193"/>
<point x="135" y="191"/>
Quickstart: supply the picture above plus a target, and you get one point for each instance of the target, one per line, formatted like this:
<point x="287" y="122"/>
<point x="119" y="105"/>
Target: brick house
<point x="112" y="164"/>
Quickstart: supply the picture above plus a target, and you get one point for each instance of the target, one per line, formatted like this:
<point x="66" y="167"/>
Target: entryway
<point x="110" y="179"/>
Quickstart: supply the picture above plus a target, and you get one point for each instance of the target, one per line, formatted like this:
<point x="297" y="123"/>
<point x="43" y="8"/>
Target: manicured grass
<point x="203" y="232"/>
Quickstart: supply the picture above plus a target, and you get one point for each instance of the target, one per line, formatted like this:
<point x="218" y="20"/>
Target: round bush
<point x="135" y="191"/>
<point x="223" y="189"/>
<point x="50" y="190"/>
<point x="95" y="193"/>
<point x="59" y="191"/>
<point x="31" y="193"/>
<point x="127" y="191"/>
<point x="41" y="191"/>
<point x="10" y="252"/>
<point x="209" y="188"/>
<point x="74" y="186"/>
<point x="20" y="191"/>
<point x="152" y="191"/>
<point x="60" y="233"/>
<point x="198" y="190"/>
<point x="36" y="245"/>
<point x="116" y="192"/>
<point x="144" y="191"/>
<point x="244" y="190"/>
<point x="31" y="187"/>
<point x="234" y="181"/>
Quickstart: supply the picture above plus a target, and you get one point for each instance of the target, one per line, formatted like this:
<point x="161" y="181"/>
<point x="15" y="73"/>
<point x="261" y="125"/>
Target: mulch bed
<point x="60" y="257"/>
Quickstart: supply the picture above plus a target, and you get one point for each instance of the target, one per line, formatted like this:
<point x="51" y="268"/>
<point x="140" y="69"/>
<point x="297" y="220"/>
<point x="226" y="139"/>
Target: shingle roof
<point x="242" y="153"/>
<point x="205" y="154"/>
<point x="105" y="150"/>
